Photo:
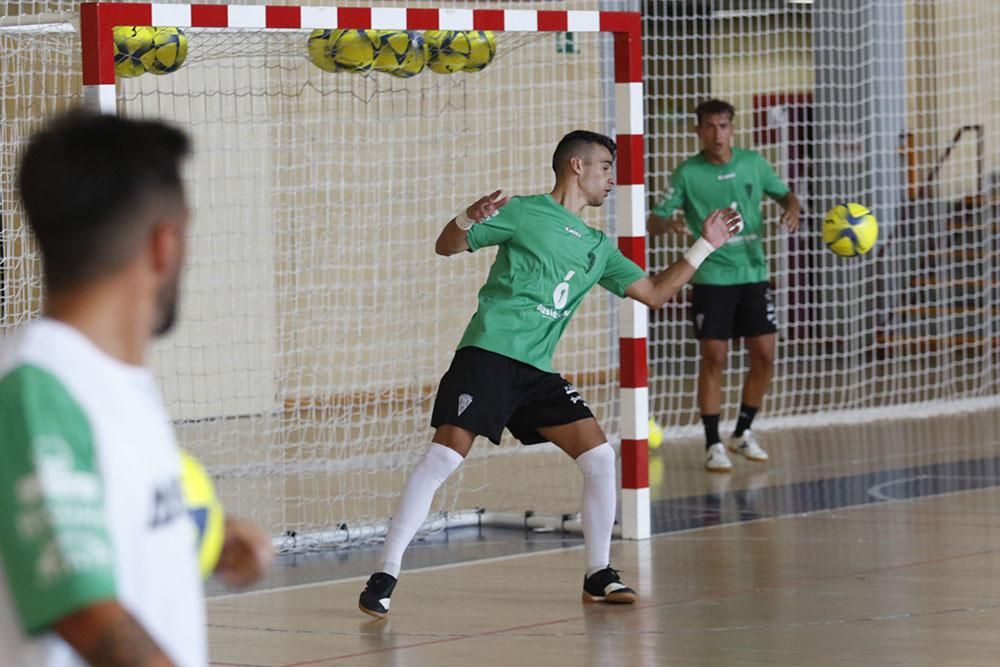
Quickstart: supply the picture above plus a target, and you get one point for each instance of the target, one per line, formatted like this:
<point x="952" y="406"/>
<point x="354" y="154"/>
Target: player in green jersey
<point x="98" y="561"/>
<point x="731" y="296"/>
<point x="502" y="376"/>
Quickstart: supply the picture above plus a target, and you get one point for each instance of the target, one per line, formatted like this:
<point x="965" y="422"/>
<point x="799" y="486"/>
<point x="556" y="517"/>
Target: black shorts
<point x="484" y="391"/>
<point x="732" y="311"/>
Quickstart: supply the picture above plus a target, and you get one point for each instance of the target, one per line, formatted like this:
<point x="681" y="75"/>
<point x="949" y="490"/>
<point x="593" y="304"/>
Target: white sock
<point x="415" y="502"/>
<point x="598" y="505"/>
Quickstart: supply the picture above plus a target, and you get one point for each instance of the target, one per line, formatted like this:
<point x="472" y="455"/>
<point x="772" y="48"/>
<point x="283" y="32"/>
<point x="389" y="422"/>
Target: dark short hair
<point x="574" y="143"/>
<point x="712" y="107"/>
<point x="88" y="182"/>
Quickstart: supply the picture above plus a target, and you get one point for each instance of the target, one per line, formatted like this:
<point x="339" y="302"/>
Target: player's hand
<point x="790" y="219"/>
<point x="246" y="554"/>
<point x="487" y="207"/>
<point x="720" y="225"/>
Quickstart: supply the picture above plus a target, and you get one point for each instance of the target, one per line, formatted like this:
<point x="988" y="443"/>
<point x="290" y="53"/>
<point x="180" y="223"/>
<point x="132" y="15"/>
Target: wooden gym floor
<point x="871" y="544"/>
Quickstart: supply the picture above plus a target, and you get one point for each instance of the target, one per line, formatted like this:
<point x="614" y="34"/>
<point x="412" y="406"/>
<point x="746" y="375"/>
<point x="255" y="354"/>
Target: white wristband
<point x="463" y="221"/>
<point x="698" y="252"/>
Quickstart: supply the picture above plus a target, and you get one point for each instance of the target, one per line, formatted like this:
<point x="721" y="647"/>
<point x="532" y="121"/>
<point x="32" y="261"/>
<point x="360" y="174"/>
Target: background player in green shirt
<point x="501" y="375"/>
<point x="732" y="295"/>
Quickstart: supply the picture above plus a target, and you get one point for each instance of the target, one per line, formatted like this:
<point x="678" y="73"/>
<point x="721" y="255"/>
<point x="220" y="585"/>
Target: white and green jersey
<point x="699" y="187"/>
<point x="90" y="501"/>
<point x="547" y="261"/>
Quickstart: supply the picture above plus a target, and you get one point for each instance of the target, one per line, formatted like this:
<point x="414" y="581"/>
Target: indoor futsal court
<point x="333" y="141"/>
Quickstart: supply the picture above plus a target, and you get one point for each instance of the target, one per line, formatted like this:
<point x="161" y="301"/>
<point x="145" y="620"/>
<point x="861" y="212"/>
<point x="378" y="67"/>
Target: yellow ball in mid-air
<point x="655" y="434"/>
<point x="204" y="508"/>
<point x="849" y="230"/>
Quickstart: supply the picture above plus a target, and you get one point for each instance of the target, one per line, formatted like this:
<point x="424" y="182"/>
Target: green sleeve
<point x="673" y="199"/>
<point x="500" y="228"/>
<point x="619" y="273"/>
<point x="771" y="183"/>
<point x="54" y="545"/>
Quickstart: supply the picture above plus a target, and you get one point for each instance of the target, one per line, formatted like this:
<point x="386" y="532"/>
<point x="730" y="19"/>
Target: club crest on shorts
<point x="769" y="307"/>
<point x="464" y="401"/>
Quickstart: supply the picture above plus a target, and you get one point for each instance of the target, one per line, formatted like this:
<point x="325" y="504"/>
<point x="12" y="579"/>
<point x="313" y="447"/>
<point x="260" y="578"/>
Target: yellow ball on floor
<point x="206" y="511"/>
<point x="655" y="434"/>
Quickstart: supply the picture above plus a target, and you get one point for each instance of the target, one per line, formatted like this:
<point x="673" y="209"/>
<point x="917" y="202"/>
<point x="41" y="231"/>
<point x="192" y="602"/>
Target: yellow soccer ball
<point x="448" y="51"/>
<point x="204" y="508"/>
<point x="401" y="53"/>
<point x="392" y="47"/>
<point x="169" y="51"/>
<point x="482" y="48"/>
<point x="317" y="47"/>
<point x="409" y="55"/>
<point x="133" y="45"/>
<point x="849" y="230"/>
<point x="415" y="59"/>
<point x="343" y="50"/>
<point x="655" y="434"/>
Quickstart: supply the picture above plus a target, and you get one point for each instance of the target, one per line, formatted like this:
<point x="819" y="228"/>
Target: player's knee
<point x="763" y="358"/>
<point x="713" y="360"/>
<point x="597" y="460"/>
<point x="440" y="461"/>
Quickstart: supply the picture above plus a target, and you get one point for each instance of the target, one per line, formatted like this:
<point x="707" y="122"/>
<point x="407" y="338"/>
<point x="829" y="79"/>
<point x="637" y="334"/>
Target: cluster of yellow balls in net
<point x="401" y="53"/>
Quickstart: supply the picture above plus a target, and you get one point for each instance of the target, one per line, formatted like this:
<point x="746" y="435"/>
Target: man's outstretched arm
<point x="655" y="291"/>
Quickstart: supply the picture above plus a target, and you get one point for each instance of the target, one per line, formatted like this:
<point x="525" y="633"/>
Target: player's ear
<point x="576" y="164"/>
<point x="166" y="245"/>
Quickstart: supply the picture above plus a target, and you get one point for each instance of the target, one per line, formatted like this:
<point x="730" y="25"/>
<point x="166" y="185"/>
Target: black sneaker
<point x="606" y="586"/>
<point x="374" y="600"/>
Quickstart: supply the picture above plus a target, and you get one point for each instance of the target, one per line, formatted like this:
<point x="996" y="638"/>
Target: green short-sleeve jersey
<point x="547" y="260"/>
<point x="699" y="187"/>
